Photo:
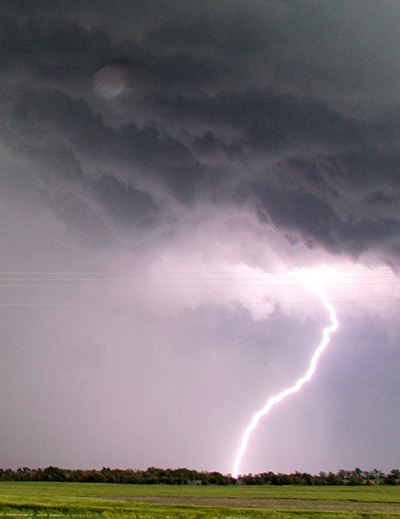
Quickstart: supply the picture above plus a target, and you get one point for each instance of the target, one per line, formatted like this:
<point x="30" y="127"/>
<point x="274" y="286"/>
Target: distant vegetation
<point x="184" y="476"/>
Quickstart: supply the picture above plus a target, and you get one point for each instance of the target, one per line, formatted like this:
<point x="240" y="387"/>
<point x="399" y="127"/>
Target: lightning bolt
<point x="299" y="384"/>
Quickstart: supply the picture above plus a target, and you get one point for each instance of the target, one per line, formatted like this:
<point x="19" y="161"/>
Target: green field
<point x="102" y="501"/>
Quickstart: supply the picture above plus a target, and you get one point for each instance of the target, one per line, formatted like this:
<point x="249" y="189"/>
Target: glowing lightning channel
<point x="299" y="384"/>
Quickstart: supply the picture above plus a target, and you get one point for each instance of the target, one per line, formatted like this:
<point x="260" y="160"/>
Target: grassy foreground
<point x="102" y="501"/>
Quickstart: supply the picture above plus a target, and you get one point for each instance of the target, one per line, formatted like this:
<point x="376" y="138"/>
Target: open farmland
<point x="18" y="499"/>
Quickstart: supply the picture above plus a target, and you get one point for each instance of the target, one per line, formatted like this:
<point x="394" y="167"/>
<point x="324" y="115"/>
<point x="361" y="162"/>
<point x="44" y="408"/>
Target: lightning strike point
<point x="298" y="385"/>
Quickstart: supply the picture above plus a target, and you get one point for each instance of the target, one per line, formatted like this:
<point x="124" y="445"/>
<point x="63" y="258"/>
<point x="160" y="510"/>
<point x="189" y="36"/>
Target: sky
<point x="171" y="173"/>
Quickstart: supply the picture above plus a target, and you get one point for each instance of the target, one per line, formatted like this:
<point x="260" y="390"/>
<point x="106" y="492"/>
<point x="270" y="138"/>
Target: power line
<point x="272" y="303"/>
<point x="129" y="273"/>
<point x="215" y="285"/>
<point x="265" y="279"/>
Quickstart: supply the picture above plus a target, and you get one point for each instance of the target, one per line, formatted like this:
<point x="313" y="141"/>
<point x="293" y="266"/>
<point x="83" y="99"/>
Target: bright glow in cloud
<point x="299" y="384"/>
<point x="109" y="82"/>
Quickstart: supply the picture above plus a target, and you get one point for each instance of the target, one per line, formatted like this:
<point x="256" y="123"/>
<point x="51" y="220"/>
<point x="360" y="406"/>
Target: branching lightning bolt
<point x="294" y="389"/>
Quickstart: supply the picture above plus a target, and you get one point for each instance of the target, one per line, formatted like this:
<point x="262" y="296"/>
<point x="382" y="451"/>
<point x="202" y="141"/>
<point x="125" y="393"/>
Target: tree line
<point x="183" y="476"/>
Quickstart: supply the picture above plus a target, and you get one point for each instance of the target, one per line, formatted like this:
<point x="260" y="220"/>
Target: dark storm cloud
<point x="144" y="151"/>
<point x="321" y="154"/>
<point x="124" y="203"/>
<point x="267" y="120"/>
<point x="59" y="135"/>
<point x="216" y="106"/>
<point x="302" y="211"/>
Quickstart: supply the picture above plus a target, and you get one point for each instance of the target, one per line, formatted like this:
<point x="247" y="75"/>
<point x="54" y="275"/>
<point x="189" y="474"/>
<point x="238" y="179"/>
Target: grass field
<point x="102" y="501"/>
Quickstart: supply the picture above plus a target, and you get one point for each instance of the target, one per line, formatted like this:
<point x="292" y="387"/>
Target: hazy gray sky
<point x="169" y="172"/>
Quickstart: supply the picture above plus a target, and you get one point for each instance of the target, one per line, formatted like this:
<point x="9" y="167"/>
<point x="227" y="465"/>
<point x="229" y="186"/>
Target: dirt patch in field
<point x="271" y="504"/>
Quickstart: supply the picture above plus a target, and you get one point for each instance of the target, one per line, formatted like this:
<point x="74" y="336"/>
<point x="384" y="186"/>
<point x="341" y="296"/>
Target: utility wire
<point x="268" y="279"/>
